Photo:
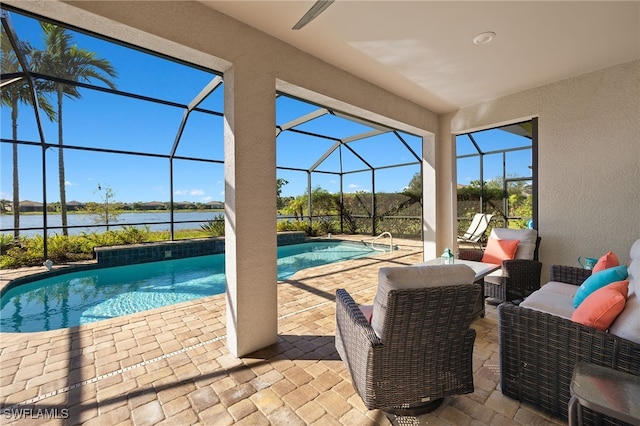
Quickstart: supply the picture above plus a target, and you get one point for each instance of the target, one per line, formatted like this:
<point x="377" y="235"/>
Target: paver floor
<point x="170" y="366"/>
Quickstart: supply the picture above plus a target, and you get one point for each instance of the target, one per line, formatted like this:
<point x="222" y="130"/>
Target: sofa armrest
<point x="569" y="274"/>
<point x="523" y="277"/>
<point x="538" y="352"/>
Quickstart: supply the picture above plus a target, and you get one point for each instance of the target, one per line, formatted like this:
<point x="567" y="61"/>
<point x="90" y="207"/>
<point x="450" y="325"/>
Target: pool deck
<point x="170" y="366"/>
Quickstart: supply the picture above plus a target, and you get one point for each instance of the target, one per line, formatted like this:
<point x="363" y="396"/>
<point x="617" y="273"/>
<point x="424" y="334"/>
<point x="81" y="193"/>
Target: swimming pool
<point x="87" y="296"/>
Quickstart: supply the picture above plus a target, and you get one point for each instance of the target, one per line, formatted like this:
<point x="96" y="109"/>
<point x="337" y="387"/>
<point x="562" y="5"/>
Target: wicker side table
<point x="613" y="393"/>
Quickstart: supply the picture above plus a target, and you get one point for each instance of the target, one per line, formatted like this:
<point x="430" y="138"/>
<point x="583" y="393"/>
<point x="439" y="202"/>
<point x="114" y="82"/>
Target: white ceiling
<point x="423" y="50"/>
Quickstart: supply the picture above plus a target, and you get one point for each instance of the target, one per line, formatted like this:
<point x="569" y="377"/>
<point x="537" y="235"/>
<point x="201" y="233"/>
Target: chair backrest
<point x="423" y="321"/>
<point x="529" y="241"/>
<point x="478" y="227"/>
<point x="414" y="277"/>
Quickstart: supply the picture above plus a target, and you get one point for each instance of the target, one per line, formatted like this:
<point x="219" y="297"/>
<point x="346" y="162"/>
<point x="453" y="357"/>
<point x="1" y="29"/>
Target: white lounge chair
<point x="477" y="228"/>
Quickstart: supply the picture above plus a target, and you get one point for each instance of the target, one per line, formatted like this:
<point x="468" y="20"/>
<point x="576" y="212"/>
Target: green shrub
<point x="132" y="235"/>
<point x="27" y="253"/>
<point x="295" y="225"/>
<point x="324" y="225"/>
<point x="58" y="247"/>
<point x="102" y="239"/>
<point x="214" y="227"/>
<point x="17" y="257"/>
<point x="6" y="242"/>
<point x="185" y="234"/>
<point x="127" y="235"/>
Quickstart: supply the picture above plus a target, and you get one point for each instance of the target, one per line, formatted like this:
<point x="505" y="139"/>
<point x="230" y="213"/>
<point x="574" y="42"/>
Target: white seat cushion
<point x="406" y="277"/>
<point x="552" y="298"/>
<point x="560" y="288"/>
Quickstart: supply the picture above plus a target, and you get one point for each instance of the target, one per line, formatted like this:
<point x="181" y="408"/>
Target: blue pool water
<point x="92" y="295"/>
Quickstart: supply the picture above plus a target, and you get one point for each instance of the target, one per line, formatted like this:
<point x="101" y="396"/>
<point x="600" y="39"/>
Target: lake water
<point x="86" y="223"/>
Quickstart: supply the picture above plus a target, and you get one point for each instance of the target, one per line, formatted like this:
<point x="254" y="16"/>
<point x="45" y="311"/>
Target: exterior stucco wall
<point x="589" y="159"/>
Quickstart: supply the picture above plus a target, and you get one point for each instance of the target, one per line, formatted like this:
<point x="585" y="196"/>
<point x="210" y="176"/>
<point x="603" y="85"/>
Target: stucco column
<point x="429" y="201"/>
<point x="446" y="178"/>
<point x="250" y="209"/>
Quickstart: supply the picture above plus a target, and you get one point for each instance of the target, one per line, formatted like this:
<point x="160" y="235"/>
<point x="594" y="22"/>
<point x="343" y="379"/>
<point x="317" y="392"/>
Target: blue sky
<point x="112" y="122"/>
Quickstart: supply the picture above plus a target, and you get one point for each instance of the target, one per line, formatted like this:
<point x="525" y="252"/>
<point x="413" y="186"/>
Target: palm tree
<point x="12" y="96"/>
<point x="63" y="59"/>
<point x="297" y="206"/>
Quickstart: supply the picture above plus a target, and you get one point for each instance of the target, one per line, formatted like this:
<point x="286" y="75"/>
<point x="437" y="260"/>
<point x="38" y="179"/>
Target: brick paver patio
<point x="169" y="366"/>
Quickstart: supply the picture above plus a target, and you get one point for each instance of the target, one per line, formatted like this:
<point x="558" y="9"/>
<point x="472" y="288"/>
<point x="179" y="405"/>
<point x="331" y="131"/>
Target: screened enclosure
<point x="102" y="137"/>
<point x="497" y="174"/>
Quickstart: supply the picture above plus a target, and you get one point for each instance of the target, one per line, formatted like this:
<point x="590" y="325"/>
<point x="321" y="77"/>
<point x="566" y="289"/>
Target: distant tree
<point x="14" y="94"/>
<point x="279" y="184"/>
<point x="518" y="196"/>
<point x="413" y="192"/>
<point x="323" y="203"/>
<point x="415" y="185"/>
<point x="107" y="211"/>
<point x="296" y="207"/>
<point x="63" y="59"/>
<point x="492" y="189"/>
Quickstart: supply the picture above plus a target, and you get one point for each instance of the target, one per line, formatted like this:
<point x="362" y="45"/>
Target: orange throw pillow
<point x="609" y="260"/>
<point x="499" y="250"/>
<point x="603" y="306"/>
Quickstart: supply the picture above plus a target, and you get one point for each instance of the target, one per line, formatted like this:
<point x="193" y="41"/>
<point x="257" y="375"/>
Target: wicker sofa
<point x="540" y="344"/>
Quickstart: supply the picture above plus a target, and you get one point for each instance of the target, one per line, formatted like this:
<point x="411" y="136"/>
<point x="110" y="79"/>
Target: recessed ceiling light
<point x="484" y="38"/>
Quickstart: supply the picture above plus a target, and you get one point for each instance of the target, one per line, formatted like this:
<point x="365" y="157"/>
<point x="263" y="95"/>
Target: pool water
<point x="83" y="297"/>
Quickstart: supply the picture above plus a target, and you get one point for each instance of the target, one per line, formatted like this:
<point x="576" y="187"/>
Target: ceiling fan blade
<point x="316" y="9"/>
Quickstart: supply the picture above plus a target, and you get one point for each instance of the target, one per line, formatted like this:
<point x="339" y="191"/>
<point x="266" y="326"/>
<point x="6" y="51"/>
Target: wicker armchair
<point x="517" y="278"/>
<point x="424" y="353"/>
<point x="538" y="352"/>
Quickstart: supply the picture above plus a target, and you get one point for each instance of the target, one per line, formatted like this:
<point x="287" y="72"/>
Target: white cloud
<point x="189" y="192"/>
<point x="353" y="187"/>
